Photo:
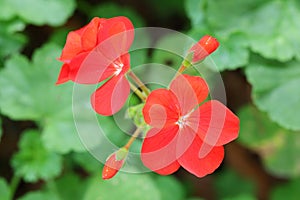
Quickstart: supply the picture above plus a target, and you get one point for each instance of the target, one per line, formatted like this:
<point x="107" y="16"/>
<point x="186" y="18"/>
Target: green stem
<point x="139" y="83"/>
<point x="133" y="137"/>
<point x="14" y="183"/>
<point x="137" y="92"/>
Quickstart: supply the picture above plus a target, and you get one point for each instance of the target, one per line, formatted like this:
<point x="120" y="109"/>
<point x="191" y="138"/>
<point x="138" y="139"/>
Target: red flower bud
<point x="206" y="45"/>
<point x="114" y="163"/>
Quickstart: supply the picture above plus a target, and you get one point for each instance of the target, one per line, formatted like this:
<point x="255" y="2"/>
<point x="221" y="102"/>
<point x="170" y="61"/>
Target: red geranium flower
<point x="184" y="133"/>
<point x="97" y="52"/>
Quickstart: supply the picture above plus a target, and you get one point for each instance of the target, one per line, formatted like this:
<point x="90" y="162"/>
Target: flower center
<point x="184" y="120"/>
<point x="181" y="121"/>
<point x="118" y="66"/>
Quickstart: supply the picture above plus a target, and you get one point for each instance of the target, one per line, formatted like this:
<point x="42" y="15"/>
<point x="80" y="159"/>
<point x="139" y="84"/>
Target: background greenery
<point x="41" y="155"/>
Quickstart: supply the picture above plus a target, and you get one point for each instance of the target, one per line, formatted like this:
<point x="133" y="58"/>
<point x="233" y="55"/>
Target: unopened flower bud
<point x="114" y="163"/>
<point x="206" y="45"/>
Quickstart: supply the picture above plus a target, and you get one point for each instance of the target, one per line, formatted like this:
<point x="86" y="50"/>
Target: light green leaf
<point x="108" y="10"/>
<point x="288" y="191"/>
<point x="70" y="186"/>
<point x="38" y="195"/>
<point x="10" y="41"/>
<point x="54" y="12"/>
<point x="169" y="49"/>
<point x="276" y="37"/>
<point x="28" y="92"/>
<point x="170" y="188"/>
<point x="123" y="186"/>
<point x="277" y="147"/>
<point x="33" y="161"/>
<point x="273" y="37"/>
<point x="4" y="190"/>
<point x="60" y="135"/>
<point x="256" y="129"/>
<point x="275" y="87"/>
<point x="7" y="10"/>
<point x="87" y="162"/>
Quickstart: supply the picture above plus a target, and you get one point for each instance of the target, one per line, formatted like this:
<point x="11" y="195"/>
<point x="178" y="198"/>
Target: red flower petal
<point x="218" y="125"/>
<point x="63" y="74"/>
<point x="89" y="34"/>
<point x="190" y="91"/>
<point x="201" y="166"/>
<point x="185" y="138"/>
<point x="161" y="108"/>
<point x="206" y="45"/>
<point x="158" y="150"/>
<point x="95" y="67"/>
<point x="72" y="47"/>
<point x="111" y="96"/>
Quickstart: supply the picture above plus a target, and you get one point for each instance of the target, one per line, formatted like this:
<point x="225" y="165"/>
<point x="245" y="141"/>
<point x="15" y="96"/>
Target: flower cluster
<point x="186" y="129"/>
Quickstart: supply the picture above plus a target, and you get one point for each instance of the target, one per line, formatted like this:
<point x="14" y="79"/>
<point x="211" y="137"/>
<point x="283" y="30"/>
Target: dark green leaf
<point x="288" y="191"/>
<point x="277" y="147"/>
<point x="229" y="179"/>
<point x="33" y="161"/>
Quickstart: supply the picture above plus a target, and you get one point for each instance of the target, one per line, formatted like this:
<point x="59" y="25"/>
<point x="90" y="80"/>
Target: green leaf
<point x="276" y="37"/>
<point x="241" y="197"/>
<point x="123" y="186"/>
<point x="87" y="162"/>
<point x="255" y="128"/>
<point x="170" y="188"/>
<point x="275" y="87"/>
<point x="38" y="195"/>
<point x="169" y="49"/>
<point x="277" y="147"/>
<point x="33" y="161"/>
<point x="229" y="179"/>
<point x="110" y="9"/>
<point x="28" y="92"/>
<point x="195" y="10"/>
<point x="70" y="186"/>
<point x="273" y="37"/>
<point x="4" y="190"/>
<point x="288" y="191"/>
<point x="37" y="12"/>
<point x="7" y="10"/>
<point x="10" y="41"/>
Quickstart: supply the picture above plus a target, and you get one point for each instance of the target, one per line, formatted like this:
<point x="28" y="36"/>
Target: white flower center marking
<point x="118" y="66"/>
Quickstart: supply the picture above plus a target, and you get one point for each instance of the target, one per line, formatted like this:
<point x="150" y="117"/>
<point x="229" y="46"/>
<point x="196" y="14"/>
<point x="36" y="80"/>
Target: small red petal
<point x="89" y="34"/>
<point x="190" y="91"/>
<point x="111" y="96"/>
<point x="158" y="151"/>
<point x="161" y="108"/>
<point x="206" y="45"/>
<point x="72" y="47"/>
<point x="217" y="125"/>
<point x="64" y="74"/>
<point x="201" y="166"/>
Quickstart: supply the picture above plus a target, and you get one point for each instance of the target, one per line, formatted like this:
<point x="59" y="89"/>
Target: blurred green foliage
<point x="259" y="37"/>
